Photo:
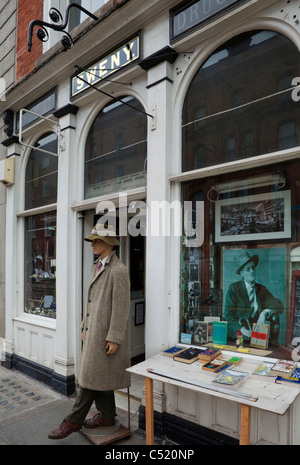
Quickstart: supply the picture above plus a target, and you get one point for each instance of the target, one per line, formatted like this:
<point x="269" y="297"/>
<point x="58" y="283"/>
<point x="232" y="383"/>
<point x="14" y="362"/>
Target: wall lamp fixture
<point x="58" y="25"/>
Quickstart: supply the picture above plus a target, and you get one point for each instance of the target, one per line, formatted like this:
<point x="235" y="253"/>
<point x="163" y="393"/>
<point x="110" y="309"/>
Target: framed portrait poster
<point x="254" y="217"/>
<point x="270" y="272"/>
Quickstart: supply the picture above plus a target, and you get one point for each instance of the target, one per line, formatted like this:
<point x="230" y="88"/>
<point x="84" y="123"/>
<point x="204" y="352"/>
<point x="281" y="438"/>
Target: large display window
<point x="240" y="255"/>
<point x="40" y="229"/>
<point x="245" y="273"/>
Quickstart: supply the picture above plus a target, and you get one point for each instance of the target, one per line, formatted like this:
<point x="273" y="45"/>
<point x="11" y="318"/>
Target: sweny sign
<point x="188" y="16"/>
<point x="106" y="66"/>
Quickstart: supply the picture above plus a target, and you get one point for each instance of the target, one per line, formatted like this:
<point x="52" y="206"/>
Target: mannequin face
<point x="101" y="248"/>
<point x="249" y="272"/>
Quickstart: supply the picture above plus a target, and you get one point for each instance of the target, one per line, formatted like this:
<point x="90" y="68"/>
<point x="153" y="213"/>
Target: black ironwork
<point x="58" y="25"/>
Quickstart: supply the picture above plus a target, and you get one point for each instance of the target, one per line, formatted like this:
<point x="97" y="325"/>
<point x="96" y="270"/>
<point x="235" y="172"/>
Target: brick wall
<point x="28" y="10"/>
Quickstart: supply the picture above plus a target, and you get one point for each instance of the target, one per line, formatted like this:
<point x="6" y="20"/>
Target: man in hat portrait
<point x="105" y="338"/>
<point x="249" y="302"/>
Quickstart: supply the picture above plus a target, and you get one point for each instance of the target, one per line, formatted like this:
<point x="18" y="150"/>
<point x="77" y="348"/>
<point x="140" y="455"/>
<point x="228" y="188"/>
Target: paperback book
<point x="215" y="365"/>
<point x="230" y="379"/>
<point x="262" y="372"/>
<point x="283" y="368"/>
<point x="220" y="332"/>
<point x="260" y="336"/>
<point x="175" y="350"/>
<point x="209" y="354"/>
<point x="293" y="379"/>
<point x="188" y="355"/>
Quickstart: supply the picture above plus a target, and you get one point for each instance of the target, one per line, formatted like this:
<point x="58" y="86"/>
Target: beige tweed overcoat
<point x="106" y="318"/>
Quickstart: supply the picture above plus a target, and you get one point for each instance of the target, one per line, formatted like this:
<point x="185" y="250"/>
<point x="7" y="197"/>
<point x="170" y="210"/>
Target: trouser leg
<point x="105" y="403"/>
<point x="104" y="400"/>
<point x="82" y="405"/>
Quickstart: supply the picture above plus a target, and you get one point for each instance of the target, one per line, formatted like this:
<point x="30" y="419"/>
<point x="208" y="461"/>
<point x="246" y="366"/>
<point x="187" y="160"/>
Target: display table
<point x="263" y="395"/>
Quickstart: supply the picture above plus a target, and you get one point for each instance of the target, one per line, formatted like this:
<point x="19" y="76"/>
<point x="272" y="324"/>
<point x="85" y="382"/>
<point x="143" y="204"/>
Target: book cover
<point x="283" y="368"/>
<point x="235" y="360"/>
<point x="215" y="365"/>
<point x="260" y="336"/>
<point x="230" y="379"/>
<point x="209" y="320"/>
<point x="262" y="372"/>
<point x="188" y="355"/>
<point x="220" y="332"/>
<point x="209" y="354"/>
<point x="293" y="379"/>
<point x="173" y="351"/>
<point x="200" y="332"/>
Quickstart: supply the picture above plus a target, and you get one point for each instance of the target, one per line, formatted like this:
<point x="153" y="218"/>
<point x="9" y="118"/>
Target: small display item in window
<point x="239" y="339"/>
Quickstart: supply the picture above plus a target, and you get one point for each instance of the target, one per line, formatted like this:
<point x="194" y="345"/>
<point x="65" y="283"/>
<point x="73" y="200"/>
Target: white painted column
<point x="158" y="190"/>
<point x="68" y="255"/>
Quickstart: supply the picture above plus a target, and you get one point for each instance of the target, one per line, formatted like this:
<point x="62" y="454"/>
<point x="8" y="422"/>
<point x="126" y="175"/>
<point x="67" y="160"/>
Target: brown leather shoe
<point x="64" y="430"/>
<point x="98" y="420"/>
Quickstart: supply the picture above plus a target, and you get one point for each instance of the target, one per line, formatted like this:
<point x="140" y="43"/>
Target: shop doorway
<point x="132" y="253"/>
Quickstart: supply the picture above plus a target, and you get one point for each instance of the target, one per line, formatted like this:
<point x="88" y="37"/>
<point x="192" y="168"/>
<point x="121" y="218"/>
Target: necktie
<point x="252" y="301"/>
<point x="98" y="268"/>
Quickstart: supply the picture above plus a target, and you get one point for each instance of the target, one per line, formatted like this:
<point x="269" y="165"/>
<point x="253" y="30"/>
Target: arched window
<point x="245" y="88"/>
<point x="116" y="149"/>
<point x="40" y="228"/>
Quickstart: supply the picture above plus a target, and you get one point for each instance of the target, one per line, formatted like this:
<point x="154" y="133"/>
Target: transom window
<point x="245" y="96"/>
<point x="116" y="149"/>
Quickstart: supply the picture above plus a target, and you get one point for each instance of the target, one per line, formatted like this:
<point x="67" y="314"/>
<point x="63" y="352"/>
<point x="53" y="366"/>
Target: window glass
<point x="40" y="264"/>
<point x="40" y="229"/>
<point x="249" y="250"/>
<point x="41" y="174"/>
<point x="77" y="16"/>
<point x="116" y="149"/>
<point x="245" y="96"/>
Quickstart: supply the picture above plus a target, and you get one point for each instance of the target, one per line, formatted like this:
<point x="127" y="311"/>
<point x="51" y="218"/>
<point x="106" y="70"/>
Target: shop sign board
<point x="191" y="14"/>
<point x="105" y="66"/>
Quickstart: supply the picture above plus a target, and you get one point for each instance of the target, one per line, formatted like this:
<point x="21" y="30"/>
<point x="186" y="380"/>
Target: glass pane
<point x="77" y="16"/>
<point x="245" y="96"/>
<point x="41" y="174"/>
<point x="40" y="265"/>
<point x="116" y="149"/>
<point x="251" y="233"/>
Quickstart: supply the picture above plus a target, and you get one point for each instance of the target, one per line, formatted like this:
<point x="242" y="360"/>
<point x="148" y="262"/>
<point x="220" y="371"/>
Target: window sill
<point x="36" y="320"/>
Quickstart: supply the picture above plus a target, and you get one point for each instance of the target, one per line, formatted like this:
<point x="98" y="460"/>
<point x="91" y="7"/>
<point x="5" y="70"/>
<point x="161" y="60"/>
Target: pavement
<point x="29" y="410"/>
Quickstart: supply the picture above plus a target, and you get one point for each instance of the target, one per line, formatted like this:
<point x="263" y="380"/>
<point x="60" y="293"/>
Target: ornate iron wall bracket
<point x="56" y="17"/>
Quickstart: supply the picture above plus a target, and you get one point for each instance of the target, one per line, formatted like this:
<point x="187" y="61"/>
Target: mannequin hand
<point x="111" y="348"/>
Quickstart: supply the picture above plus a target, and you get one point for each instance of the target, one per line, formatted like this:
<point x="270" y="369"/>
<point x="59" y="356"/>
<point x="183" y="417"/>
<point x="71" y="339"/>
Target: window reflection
<point x="238" y="87"/>
<point x="116" y="149"/>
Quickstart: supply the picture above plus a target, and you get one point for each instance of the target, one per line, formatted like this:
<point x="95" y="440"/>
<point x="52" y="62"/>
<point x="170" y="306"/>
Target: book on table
<point x="262" y="372"/>
<point x="215" y="365"/>
<point x="231" y="379"/>
<point x="209" y="354"/>
<point x="294" y="379"/>
<point x="175" y="350"/>
<point x="283" y="368"/>
<point x="189" y="355"/>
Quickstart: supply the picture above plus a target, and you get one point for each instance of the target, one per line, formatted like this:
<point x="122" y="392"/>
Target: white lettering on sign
<point x="125" y="54"/>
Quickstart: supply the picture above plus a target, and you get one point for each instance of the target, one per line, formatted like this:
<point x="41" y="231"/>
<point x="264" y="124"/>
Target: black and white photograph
<point x="255" y="217"/>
